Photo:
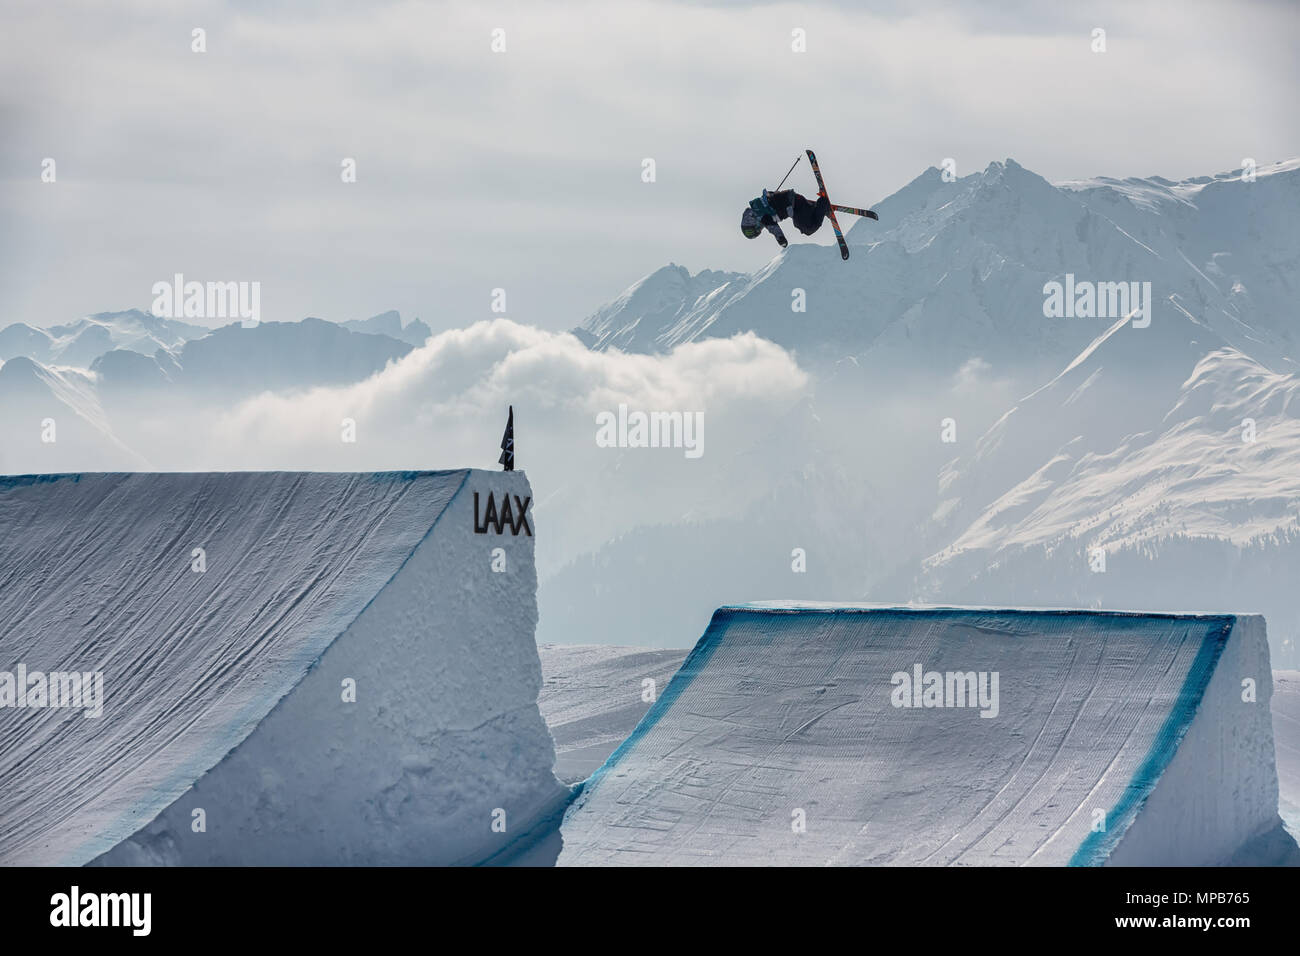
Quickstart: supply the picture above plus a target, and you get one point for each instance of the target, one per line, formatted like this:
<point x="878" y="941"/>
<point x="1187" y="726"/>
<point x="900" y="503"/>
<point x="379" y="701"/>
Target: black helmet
<point x="749" y="224"/>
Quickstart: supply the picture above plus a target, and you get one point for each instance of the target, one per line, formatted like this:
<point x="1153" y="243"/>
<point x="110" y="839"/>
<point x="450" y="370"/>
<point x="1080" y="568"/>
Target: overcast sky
<point x="522" y="169"/>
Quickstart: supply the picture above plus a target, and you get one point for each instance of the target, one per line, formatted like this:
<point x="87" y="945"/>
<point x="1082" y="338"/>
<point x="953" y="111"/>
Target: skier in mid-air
<point x="769" y="209"/>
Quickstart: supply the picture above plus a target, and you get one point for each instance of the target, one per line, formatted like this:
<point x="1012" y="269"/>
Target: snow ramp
<point x="297" y="668"/>
<point x="817" y="734"/>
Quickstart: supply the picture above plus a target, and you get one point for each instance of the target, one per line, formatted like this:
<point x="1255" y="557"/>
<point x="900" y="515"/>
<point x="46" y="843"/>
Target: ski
<point x="821" y="191"/>
<point x="865" y="213"/>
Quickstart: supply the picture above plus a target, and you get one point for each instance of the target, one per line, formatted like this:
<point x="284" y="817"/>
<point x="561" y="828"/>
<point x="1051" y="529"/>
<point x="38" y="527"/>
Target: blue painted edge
<point x="796" y="607"/>
<point x="690" y="669"/>
<point x="19" y="481"/>
<point x="1097" y="846"/>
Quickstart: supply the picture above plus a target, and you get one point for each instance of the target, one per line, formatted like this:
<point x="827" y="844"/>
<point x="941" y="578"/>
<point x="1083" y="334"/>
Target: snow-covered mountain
<point x="1194" y="503"/>
<point x="1222" y="461"/>
<point x="112" y="399"/>
<point x="661" y="310"/>
<point x="955" y="269"/>
<point x="53" y="421"/>
<point x="79" y="343"/>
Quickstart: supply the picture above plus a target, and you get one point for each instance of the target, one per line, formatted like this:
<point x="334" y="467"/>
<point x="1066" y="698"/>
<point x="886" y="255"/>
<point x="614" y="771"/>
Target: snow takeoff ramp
<point x="296" y="668"/>
<point x="931" y="736"/>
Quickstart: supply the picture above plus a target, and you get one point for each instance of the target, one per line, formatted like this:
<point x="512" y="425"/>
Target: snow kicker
<point x="816" y="734"/>
<point x="296" y="668"/>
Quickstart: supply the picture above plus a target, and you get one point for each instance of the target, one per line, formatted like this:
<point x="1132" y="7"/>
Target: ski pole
<point x="787" y="174"/>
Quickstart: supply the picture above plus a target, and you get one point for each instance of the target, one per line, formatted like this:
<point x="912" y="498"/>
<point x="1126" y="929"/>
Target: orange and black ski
<point x="821" y="191"/>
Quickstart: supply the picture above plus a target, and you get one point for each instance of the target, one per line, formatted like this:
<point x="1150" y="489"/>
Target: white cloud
<point x="445" y="404"/>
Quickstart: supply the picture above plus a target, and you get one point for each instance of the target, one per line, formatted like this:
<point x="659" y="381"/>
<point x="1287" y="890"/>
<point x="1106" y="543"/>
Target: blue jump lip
<point x="815" y="607"/>
<point x="1096" y="847"/>
<point x="686" y="674"/>
<point x="36" y="478"/>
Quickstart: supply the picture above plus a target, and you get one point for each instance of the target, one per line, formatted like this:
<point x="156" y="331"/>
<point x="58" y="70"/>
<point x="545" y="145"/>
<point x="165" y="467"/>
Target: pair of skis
<point x="835" y="224"/>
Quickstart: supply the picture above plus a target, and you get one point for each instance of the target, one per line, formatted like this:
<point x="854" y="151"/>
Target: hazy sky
<point x="522" y="169"/>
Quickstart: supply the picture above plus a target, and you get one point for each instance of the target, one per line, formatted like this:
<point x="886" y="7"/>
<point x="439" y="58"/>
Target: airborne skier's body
<point x="767" y="211"/>
<point x="770" y="208"/>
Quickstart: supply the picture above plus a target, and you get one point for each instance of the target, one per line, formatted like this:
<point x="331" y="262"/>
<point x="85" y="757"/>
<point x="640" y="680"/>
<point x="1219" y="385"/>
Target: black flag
<point x="507" y="458"/>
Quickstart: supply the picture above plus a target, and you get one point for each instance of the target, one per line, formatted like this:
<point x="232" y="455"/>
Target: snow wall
<point x="225" y="670"/>
<point x="798" y="734"/>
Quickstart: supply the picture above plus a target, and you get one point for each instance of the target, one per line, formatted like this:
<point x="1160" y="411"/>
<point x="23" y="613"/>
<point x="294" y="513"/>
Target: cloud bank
<point x="445" y="405"/>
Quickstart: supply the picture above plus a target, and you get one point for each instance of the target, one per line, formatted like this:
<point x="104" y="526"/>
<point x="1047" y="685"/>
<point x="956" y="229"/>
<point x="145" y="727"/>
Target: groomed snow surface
<point x="1119" y="738"/>
<point x="224" y="689"/>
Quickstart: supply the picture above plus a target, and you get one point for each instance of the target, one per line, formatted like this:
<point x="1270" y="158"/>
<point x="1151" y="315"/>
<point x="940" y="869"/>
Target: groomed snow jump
<point x="230" y="616"/>
<point x="814" y="734"/>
